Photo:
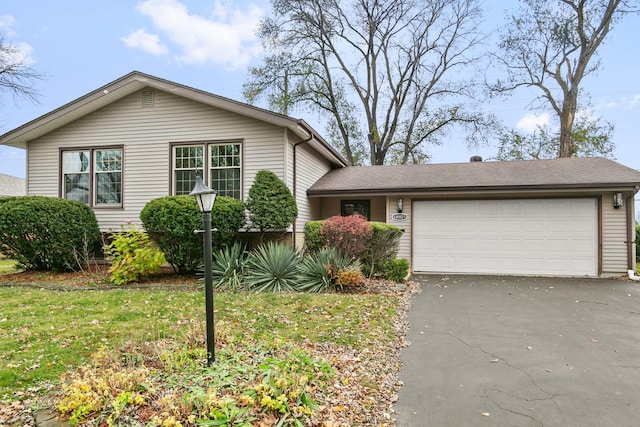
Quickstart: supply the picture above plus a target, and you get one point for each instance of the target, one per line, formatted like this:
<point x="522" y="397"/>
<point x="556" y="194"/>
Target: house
<point x="140" y="137"/>
<point x="12" y="186"/>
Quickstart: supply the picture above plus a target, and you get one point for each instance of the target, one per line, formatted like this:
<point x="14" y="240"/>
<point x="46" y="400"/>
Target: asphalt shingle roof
<point x="525" y="174"/>
<point x="12" y="186"/>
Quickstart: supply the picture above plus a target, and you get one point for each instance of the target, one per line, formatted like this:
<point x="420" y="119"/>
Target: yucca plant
<point x="229" y="267"/>
<point x="318" y="273"/>
<point x="272" y="267"/>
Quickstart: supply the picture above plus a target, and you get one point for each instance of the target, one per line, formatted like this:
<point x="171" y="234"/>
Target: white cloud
<point x="149" y="43"/>
<point x="22" y="53"/>
<point x="227" y="37"/>
<point x="629" y="102"/>
<point x="606" y="105"/>
<point x="6" y="22"/>
<point x="530" y="122"/>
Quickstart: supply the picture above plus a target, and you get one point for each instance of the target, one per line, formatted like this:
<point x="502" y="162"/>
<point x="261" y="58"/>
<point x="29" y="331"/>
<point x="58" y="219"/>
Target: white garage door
<point x="529" y="237"/>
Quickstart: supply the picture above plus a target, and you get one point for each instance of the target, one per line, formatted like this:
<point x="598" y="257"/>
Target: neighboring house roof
<point x="136" y="81"/>
<point x="554" y="174"/>
<point x="12" y="185"/>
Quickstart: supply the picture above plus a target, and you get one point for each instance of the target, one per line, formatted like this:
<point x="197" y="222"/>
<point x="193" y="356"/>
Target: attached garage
<point x="558" y="217"/>
<point x="516" y="236"/>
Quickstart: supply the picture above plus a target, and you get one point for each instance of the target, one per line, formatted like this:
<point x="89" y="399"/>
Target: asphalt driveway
<point x="505" y="351"/>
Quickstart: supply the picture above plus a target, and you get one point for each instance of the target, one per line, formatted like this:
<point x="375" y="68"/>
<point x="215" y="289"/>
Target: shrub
<point x="382" y="246"/>
<point x="89" y="391"/>
<point x="312" y="238"/>
<point x="229" y="267"/>
<point x="272" y="267"/>
<point x="348" y="234"/>
<point x="270" y="203"/>
<point x="227" y="217"/>
<point x="171" y="220"/>
<point x="46" y="233"/>
<point x="349" y="278"/>
<point x="318" y="273"/>
<point x="395" y="269"/>
<point x="133" y="257"/>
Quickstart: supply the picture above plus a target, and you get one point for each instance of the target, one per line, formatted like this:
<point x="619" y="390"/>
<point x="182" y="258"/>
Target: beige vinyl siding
<point x="614" y="236"/>
<point x="310" y="167"/>
<point x="404" y="249"/>
<point x="146" y="134"/>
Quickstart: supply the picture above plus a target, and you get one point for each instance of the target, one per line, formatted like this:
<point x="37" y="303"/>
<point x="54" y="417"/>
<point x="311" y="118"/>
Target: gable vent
<point x="147" y="97"/>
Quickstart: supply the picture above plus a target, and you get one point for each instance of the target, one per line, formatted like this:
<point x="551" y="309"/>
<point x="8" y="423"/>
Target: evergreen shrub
<point x="312" y="238"/>
<point x="171" y="221"/>
<point x="47" y="233"/>
<point x="270" y="204"/>
<point x="382" y="246"/>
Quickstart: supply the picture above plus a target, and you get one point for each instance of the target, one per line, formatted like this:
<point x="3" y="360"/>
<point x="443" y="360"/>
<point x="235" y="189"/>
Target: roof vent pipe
<point x="475" y="159"/>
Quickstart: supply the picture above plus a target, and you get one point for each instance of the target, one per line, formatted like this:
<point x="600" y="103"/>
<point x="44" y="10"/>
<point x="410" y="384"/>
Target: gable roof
<point x="12" y="185"/>
<point x="136" y="81"/>
<point x="554" y="174"/>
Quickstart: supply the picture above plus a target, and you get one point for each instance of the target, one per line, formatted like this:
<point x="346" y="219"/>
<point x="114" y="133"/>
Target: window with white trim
<point x="93" y="176"/>
<point x="222" y="167"/>
<point x="186" y="159"/>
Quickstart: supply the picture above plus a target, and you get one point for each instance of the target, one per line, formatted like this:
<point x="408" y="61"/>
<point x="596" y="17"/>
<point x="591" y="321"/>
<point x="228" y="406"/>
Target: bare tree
<point x="551" y="45"/>
<point x="387" y="73"/>
<point x="16" y="77"/>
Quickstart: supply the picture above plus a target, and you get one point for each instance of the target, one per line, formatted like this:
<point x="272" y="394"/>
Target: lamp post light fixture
<point x="206" y="197"/>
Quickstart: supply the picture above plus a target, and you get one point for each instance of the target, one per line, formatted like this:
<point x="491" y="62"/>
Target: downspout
<point x="631" y="234"/>
<point x="295" y="174"/>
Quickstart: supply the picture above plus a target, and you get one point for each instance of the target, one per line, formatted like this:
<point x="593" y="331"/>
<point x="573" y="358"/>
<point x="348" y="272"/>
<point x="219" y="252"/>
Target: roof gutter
<point x="339" y="160"/>
<point x="295" y="176"/>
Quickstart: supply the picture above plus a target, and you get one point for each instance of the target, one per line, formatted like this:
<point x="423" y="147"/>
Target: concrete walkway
<point x="505" y="351"/>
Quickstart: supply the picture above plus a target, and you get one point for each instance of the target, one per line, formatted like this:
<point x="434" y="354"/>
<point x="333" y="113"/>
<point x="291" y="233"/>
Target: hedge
<point x="171" y="221"/>
<point x="47" y="233"/>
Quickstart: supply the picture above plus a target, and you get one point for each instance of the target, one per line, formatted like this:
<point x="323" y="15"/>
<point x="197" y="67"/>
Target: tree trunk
<point x="566" y="126"/>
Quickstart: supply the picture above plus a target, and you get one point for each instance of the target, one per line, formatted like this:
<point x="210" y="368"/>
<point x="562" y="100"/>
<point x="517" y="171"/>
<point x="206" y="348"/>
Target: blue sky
<point x="81" y="45"/>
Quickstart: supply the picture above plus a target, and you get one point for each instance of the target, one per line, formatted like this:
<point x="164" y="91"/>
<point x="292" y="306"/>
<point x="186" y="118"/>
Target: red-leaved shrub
<point x="348" y="234"/>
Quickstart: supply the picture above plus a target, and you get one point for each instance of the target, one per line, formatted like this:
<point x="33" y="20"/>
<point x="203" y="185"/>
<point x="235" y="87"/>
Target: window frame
<point x="92" y="172"/>
<point x="206" y="169"/>
<point x="366" y="204"/>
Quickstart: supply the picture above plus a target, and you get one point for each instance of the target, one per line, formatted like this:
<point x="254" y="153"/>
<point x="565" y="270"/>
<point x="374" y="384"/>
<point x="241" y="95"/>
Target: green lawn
<point x="44" y="333"/>
<point x="7" y="266"/>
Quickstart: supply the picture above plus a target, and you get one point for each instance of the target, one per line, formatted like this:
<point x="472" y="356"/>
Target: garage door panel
<point x="537" y="237"/>
<point x="511" y="226"/>
<point x="488" y="244"/>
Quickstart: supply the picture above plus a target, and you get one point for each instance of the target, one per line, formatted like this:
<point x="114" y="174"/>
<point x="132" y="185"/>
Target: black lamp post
<point x="206" y="197"/>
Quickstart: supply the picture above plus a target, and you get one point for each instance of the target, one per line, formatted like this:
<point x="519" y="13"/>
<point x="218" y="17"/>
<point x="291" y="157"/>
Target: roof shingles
<point x="531" y="174"/>
<point x="12" y="186"/>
